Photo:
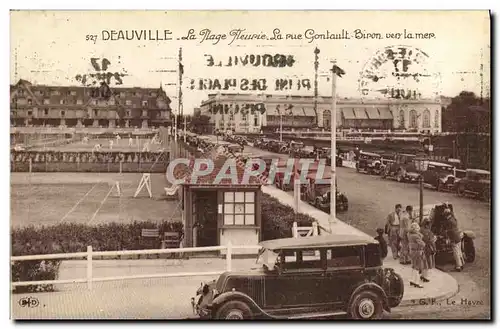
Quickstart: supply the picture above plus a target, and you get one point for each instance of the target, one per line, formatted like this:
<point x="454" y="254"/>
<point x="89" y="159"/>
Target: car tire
<point x="468" y="249"/>
<point x="366" y="305"/>
<point x="234" y="310"/>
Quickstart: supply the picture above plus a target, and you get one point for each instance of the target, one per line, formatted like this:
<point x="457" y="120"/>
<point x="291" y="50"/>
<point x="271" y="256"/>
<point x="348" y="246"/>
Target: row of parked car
<point x="313" y="193"/>
<point x="440" y="175"/>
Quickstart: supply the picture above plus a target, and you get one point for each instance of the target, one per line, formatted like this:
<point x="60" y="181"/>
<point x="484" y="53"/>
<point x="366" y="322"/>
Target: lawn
<point x="52" y="198"/>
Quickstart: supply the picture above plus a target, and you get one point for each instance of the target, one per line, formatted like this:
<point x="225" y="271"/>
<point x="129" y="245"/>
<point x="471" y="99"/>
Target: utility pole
<point x="316" y="66"/>
<point x="336" y="71"/>
<point x="181" y="105"/>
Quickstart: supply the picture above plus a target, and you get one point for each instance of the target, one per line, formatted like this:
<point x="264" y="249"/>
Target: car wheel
<point x="461" y="190"/>
<point x="468" y="249"/>
<point x="366" y="305"/>
<point x="234" y="310"/>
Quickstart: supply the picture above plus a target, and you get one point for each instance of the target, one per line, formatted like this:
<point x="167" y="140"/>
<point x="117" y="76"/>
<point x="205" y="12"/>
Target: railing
<point x="89" y="254"/>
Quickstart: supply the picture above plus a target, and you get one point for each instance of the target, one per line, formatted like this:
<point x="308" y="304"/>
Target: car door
<point x="344" y="272"/>
<point x="299" y="283"/>
<point x="429" y="175"/>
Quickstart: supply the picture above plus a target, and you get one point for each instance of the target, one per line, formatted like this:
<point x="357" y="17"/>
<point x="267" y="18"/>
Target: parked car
<point x="439" y="226"/>
<point x="369" y="162"/>
<point x="477" y="182"/>
<point x="439" y="176"/>
<point x="308" y="277"/>
<point x="403" y="169"/>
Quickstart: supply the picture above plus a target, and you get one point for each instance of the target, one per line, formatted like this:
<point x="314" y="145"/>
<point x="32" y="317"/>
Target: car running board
<point x="316" y="315"/>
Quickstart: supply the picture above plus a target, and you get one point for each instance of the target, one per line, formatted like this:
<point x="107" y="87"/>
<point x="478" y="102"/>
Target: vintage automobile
<point x="439" y="227"/>
<point x="402" y="169"/>
<point x="325" y="153"/>
<point x="369" y="163"/>
<point x="308" y="277"/>
<point x="477" y="182"/>
<point x="318" y="195"/>
<point x="439" y="176"/>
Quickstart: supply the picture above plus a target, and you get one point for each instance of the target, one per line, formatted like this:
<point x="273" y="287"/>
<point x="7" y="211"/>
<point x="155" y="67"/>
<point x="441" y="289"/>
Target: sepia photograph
<point x="250" y="165"/>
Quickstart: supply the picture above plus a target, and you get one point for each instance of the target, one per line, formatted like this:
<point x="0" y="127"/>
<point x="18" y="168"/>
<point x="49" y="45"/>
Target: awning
<point x="348" y="113"/>
<point x="385" y="113"/>
<point x="373" y="113"/>
<point x="360" y="113"/>
<point x="296" y="112"/>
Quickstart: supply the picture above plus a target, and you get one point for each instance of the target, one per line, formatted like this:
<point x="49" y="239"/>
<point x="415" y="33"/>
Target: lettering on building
<point x="246" y="108"/>
<point x="252" y="60"/>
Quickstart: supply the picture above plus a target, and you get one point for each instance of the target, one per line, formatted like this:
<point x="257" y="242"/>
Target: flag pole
<point x="333" y="121"/>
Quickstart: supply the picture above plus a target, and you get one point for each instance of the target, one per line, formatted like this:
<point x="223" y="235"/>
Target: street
<point x="371" y="198"/>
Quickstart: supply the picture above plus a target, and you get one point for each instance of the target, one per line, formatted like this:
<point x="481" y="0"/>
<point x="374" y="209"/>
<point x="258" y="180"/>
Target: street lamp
<point x="421" y="164"/>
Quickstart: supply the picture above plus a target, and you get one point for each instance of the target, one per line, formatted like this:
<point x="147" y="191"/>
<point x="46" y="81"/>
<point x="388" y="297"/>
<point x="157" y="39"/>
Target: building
<point x="217" y="212"/>
<point x="253" y="113"/>
<point x="75" y="106"/>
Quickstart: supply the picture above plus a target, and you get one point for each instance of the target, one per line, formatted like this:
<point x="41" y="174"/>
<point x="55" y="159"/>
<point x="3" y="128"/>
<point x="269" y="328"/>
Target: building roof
<point x="183" y="171"/>
<point x="319" y="241"/>
<point x="70" y="94"/>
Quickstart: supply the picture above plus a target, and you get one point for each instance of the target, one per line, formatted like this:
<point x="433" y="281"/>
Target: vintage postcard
<point x="180" y="165"/>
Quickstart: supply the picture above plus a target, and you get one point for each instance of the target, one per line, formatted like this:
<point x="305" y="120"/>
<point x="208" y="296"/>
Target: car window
<point x="302" y="259"/>
<point x="343" y="257"/>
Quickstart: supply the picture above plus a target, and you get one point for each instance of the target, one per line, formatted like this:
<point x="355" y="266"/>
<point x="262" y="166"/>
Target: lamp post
<point x="421" y="164"/>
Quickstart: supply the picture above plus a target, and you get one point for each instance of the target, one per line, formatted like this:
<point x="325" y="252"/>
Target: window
<point x="153" y="94"/>
<point x="63" y="113"/>
<point x="144" y="103"/>
<point x="239" y="208"/>
<point x="40" y="93"/>
<point x="301" y="259"/>
<point x="413" y="119"/>
<point x="122" y="94"/>
<point x="30" y="113"/>
<point x="95" y="112"/>
<point x="436" y="119"/>
<point x="46" y="111"/>
<point x="30" y="102"/>
<point x="129" y="113"/>
<point x="79" y="102"/>
<point x="21" y="92"/>
<point x="62" y="102"/>
<point x="128" y="102"/>
<point x="427" y="119"/>
<point x="343" y="257"/>
<point x="46" y="101"/>
<point x="255" y="121"/>
<point x="55" y="92"/>
<point x="401" y="119"/>
<point x="73" y="93"/>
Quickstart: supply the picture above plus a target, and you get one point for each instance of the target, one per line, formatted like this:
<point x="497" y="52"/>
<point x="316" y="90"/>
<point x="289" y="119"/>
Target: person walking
<point x="392" y="228"/>
<point x="406" y="221"/>
<point x="417" y="246"/>
<point x="429" y="250"/>
<point x="456" y="241"/>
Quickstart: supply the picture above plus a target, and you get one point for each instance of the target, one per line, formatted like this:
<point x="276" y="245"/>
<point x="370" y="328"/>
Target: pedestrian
<point x="406" y="221"/>
<point x="430" y="248"/>
<point x="111" y="142"/>
<point x="381" y="242"/>
<point x="456" y="241"/>
<point x="417" y="246"/>
<point x="392" y="228"/>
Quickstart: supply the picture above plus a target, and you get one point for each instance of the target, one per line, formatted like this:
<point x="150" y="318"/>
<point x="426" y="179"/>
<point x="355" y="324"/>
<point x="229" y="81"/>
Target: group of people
<point x="414" y="243"/>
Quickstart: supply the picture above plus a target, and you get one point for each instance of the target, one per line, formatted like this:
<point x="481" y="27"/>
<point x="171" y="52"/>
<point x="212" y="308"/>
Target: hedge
<point x="277" y="222"/>
<point x="69" y="238"/>
<point x="278" y="219"/>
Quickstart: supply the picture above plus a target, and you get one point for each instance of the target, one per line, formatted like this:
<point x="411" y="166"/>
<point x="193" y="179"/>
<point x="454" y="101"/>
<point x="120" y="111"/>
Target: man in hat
<point x="392" y="228"/>
<point x="456" y="240"/>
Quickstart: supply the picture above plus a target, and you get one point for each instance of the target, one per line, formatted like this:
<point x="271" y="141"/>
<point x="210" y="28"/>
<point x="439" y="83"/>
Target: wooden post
<point x="89" y="267"/>
<point x="228" y="256"/>
<point x="295" y="232"/>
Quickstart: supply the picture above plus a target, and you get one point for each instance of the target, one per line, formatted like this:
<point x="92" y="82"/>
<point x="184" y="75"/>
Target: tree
<point x="467" y="113"/>
<point x="200" y="124"/>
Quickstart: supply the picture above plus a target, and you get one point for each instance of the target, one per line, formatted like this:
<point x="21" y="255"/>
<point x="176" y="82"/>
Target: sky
<point x="50" y="47"/>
